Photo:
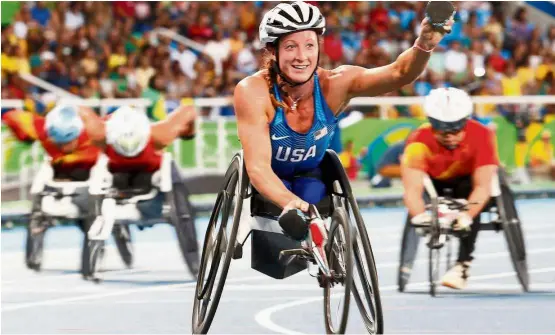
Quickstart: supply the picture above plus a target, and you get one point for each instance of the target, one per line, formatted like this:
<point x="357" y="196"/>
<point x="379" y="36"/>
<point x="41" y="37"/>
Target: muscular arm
<point x="413" y="189"/>
<point x="180" y="123"/>
<point x="94" y="126"/>
<point x="372" y="82"/>
<point x="481" y="191"/>
<point x="250" y="101"/>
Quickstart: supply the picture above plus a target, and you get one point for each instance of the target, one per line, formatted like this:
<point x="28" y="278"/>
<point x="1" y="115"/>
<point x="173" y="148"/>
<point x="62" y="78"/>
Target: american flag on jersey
<point x="320" y="133"/>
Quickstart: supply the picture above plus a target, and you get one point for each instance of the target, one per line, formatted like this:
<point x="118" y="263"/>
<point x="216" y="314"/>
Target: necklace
<point x="295" y="102"/>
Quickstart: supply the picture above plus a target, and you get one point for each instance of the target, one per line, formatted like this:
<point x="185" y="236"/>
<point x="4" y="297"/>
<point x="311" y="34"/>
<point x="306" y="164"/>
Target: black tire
<point x="93" y="256"/>
<point x="512" y="230"/>
<point x="433" y="270"/>
<point x="434" y="254"/>
<point x="409" y="248"/>
<point x="184" y="229"/>
<point x="448" y="261"/>
<point x="34" y="246"/>
<point x="203" y="310"/>
<point x="372" y="316"/>
<point x="339" y="222"/>
<point x="122" y="237"/>
<point x="362" y="249"/>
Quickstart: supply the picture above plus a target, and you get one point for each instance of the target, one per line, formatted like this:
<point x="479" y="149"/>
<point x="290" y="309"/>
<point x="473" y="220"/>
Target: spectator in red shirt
<point x="333" y="47"/>
<point x="496" y="61"/>
<point x="379" y="18"/>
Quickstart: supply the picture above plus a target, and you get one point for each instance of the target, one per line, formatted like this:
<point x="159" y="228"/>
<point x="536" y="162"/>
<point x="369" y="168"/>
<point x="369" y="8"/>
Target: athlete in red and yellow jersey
<point x="61" y="135"/>
<point x="135" y="148"/>
<point x="72" y="155"/>
<point x="456" y="153"/>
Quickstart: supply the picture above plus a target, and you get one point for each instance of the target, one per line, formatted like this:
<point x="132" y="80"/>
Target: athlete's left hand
<point x="462" y="222"/>
<point x="430" y="36"/>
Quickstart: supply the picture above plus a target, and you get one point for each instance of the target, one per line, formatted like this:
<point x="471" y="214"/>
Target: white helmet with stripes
<point x="288" y="18"/>
<point x="128" y="131"/>
<point x="448" y="109"/>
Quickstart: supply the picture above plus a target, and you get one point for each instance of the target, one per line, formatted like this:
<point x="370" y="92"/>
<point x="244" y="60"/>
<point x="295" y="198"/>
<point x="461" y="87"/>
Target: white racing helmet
<point x="288" y="18"/>
<point x="128" y="131"/>
<point x="448" y="109"/>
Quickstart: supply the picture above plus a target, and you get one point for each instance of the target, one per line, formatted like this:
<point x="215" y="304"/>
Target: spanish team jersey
<point x="293" y="152"/>
<point x="149" y="160"/>
<point x="424" y="152"/>
<point x="29" y="127"/>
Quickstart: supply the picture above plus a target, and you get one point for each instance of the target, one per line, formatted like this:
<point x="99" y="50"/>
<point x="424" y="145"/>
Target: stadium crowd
<point x="115" y="50"/>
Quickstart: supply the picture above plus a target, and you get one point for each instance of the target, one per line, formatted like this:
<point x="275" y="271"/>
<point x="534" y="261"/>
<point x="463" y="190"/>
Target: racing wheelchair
<point x="499" y="214"/>
<point x="241" y="211"/>
<point x="124" y="198"/>
<point x="56" y="199"/>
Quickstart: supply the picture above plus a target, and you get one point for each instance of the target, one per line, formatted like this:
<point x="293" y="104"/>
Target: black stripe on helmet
<point x="289" y="17"/>
<point x="297" y="8"/>
<point x="310" y="14"/>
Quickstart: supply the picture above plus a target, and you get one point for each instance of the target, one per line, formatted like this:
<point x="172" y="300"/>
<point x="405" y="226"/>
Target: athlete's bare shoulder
<point x="251" y="95"/>
<point x="254" y="81"/>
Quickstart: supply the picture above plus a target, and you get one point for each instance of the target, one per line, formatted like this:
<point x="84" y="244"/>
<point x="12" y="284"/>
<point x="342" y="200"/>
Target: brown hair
<point x="271" y="76"/>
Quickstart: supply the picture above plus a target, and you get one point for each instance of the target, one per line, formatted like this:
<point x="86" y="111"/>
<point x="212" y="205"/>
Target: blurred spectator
<point x="456" y="62"/>
<point x="541" y="155"/>
<point x="349" y="161"/>
<point x="74" y="18"/>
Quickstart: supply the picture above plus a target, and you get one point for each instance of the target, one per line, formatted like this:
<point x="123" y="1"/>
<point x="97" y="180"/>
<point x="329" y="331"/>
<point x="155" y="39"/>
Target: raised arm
<point x="94" y="126"/>
<point x="250" y="101"/>
<point x="406" y="68"/>
<point x="180" y="123"/>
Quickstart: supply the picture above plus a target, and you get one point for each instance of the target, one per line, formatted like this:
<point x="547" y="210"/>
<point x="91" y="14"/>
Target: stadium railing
<point x="216" y="140"/>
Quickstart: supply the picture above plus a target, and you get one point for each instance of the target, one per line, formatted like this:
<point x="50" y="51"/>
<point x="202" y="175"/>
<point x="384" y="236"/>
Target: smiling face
<point x="298" y="55"/>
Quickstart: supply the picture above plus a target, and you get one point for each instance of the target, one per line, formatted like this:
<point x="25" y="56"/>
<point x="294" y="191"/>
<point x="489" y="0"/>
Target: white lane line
<point x="15" y="307"/>
<point x="264" y="317"/>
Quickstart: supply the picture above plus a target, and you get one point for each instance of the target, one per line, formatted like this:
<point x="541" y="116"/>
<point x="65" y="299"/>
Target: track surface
<point x="156" y="295"/>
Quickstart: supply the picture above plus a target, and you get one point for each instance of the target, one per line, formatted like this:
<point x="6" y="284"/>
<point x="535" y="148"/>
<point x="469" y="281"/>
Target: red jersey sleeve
<point x="486" y="149"/>
<point x="22" y="124"/>
<point x="417" y="151"/>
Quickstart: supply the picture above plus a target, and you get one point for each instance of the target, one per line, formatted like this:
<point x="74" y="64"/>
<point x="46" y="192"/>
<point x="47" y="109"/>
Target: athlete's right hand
<point x="296" y="203"/>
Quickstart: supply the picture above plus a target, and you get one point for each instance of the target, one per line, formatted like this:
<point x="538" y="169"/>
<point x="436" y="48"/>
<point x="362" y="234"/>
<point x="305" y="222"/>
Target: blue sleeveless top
<point x="293" y="152"/>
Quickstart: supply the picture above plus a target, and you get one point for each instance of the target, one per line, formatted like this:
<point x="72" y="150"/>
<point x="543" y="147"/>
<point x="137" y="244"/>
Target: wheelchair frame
<point x="40" y="221"/>
<point x="103" y="225"/>
<point x="217" y="243"/>
<point x="501" y="207"/>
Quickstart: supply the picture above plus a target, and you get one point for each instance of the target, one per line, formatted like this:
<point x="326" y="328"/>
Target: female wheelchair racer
<point x="286" y="116"/>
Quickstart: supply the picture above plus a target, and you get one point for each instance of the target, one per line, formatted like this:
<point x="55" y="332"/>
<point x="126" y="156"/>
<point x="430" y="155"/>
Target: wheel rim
<point x="340" y="260"/>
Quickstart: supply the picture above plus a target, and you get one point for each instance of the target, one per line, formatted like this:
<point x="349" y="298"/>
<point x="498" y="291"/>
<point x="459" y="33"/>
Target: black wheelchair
<point x="57" y="197"/>
<point x="347" y="250"/>
<point x="499" y="214"/>
<point x="118" y="201"/>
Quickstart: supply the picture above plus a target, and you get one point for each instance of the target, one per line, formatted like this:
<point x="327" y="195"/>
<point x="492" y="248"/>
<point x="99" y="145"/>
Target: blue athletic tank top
<point x="294" y="153"/>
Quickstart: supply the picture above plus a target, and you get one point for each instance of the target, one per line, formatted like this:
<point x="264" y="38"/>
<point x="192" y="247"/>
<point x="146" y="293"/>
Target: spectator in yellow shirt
<point x="118" y="58"/>
<point x="510" y="82"/>
<point x="541" y="154"/>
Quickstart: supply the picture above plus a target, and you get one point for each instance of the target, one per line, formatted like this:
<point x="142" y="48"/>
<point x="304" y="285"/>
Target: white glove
<point x="462" y="222"/>
<point x="422" y="218"/>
